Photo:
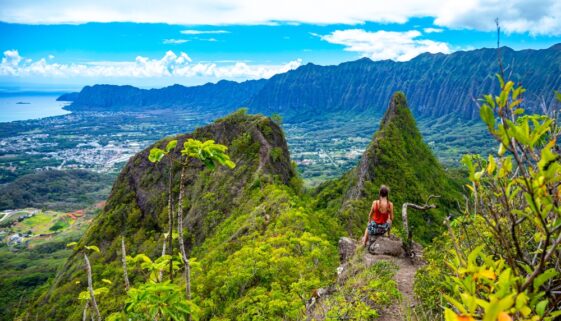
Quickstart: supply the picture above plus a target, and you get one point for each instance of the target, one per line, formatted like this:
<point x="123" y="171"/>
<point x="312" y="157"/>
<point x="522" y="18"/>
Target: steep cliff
<point x="437" y="84"/>
<point x="398" y="158"/>
<point x="137" y="206"/>
<point x="224" y="97"/>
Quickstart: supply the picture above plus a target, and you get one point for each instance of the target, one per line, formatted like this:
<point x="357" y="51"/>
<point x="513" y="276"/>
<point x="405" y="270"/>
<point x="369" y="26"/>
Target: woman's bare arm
<point x="371" y="211"/>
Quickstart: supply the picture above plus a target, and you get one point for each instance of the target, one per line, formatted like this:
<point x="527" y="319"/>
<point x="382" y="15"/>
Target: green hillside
<point x="398" y="158"/>
<point x="259" y="244"/>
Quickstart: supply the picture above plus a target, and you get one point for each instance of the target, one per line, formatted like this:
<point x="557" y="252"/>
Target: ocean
<point x="30" y="106"/>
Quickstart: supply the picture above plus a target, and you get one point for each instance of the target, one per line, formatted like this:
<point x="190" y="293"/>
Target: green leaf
<point x="84" y="295"/>
<point x="492" y="165"/>
<point x="171" y="145"/>
<point x="93" y="248"/>
<point x="544" y="277"/>
<point x="71" y="244"/>
<point x="487" y="115"/>
<point x="156" y="155"/>
<point x="501" y="81"/>
<point x="540" y="307"/>
<point x="230" y="164"/>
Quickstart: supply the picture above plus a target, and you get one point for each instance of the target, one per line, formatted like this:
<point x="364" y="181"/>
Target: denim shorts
<point x="378" y="229"/>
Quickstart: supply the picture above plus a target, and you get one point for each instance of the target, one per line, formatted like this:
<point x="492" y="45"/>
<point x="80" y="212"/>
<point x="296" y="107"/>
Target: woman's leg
<point x="365" y="237"/>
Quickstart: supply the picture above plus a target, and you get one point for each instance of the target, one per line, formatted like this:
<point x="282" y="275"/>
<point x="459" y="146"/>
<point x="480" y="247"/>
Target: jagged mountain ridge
<point x="437" y="84"/>
<point x="398" y="157"/>
<point x="137" y="206"/>
<point x="262" y="244"/>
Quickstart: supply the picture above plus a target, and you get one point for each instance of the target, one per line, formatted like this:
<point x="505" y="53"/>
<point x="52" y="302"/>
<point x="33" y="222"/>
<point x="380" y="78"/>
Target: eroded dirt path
<point x="405" y="278"/>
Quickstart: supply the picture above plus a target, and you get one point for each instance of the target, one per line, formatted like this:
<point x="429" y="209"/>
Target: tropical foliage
<point x="504" y="254"/>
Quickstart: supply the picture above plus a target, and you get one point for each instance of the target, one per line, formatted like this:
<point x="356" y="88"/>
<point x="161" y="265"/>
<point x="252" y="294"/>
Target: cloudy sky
<point x="65" y="44"/>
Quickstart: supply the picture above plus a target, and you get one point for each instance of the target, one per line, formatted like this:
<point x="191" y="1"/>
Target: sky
<point x="63" y="45"/>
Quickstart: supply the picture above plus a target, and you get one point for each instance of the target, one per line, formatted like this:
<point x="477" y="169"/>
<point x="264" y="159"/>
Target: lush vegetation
<point x="29" y="268"/>
<point x="362" y="294"/>
<point x="255" y="246"/>
<point x="503" y="250"/>
<point x="24" y="274"/>
<point x="53" y="189"/>
<point x="223" y="230"/>
<point x="397" y="147"/>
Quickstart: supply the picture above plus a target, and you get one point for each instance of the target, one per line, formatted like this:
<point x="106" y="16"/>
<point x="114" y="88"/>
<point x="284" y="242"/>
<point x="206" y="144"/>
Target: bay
<point x="30" y="106"/>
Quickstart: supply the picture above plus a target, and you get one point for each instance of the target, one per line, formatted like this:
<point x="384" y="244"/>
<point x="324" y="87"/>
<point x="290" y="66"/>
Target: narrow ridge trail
<point x="405" y="278"/>
<point x="355" y="259"/>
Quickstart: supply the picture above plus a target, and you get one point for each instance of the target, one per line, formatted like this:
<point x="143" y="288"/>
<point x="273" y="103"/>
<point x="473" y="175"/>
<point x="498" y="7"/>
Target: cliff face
<point x="438" y="84"/>
<point x="224" y="96"/>
<point x="137" y="206"/>
<point x="398" y="158"/>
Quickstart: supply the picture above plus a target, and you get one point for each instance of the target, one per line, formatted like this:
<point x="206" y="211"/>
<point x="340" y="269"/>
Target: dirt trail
<point x="405" y="277"/>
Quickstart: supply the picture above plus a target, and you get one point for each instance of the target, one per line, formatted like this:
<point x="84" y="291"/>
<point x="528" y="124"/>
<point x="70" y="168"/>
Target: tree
<point x="155" y="156"/>
<point x="89" y="295"/>
<point x="211" y="155"/>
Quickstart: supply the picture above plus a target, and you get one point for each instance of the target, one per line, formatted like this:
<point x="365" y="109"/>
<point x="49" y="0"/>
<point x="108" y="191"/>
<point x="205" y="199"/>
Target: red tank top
<point x="378" y="216"/>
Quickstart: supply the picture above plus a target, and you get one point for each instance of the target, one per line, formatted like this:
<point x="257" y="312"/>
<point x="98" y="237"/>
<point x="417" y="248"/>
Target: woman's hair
<point x="384" y="191"/>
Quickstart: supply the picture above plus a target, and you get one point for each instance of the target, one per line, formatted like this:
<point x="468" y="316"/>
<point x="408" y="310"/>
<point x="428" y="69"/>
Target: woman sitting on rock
<point x="380" y="217"/>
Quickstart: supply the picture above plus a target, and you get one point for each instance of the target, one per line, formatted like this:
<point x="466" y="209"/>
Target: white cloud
<point x="174" y="41"/>
<point x="170" y="65"/>
<point x="203" y="32"/>
<point x="380" y="45"/>
<point x="433" y="30"/>
<point x="534" y="16"/>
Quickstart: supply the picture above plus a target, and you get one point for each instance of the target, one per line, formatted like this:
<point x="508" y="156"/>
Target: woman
<point x="381" y="214"/>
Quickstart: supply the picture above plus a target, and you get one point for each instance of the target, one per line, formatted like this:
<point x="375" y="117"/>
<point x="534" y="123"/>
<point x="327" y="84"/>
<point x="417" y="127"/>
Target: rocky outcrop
<point x="386" y="246"/>
<point x="347" y="249"/>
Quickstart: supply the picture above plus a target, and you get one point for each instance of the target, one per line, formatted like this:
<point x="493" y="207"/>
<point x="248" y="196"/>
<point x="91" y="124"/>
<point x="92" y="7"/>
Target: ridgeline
<point x="260" y="245"/>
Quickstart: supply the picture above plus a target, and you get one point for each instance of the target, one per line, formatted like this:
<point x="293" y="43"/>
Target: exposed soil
<point x="405" y="278"/>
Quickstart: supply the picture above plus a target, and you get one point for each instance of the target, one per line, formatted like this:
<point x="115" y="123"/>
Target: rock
<point x="347" y="248"/>
<point x="384" y="246"/>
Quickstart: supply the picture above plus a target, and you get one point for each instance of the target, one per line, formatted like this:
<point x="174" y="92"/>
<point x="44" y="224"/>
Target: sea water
<point x="30" y="106"/>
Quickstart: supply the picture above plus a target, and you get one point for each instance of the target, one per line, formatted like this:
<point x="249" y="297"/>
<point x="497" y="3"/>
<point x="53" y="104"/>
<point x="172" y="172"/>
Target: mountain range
<point x="437" y="84"/>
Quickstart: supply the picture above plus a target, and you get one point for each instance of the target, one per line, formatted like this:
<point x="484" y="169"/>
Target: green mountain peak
<point x="397" y="157"/>
<point x="257" y="244"/>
